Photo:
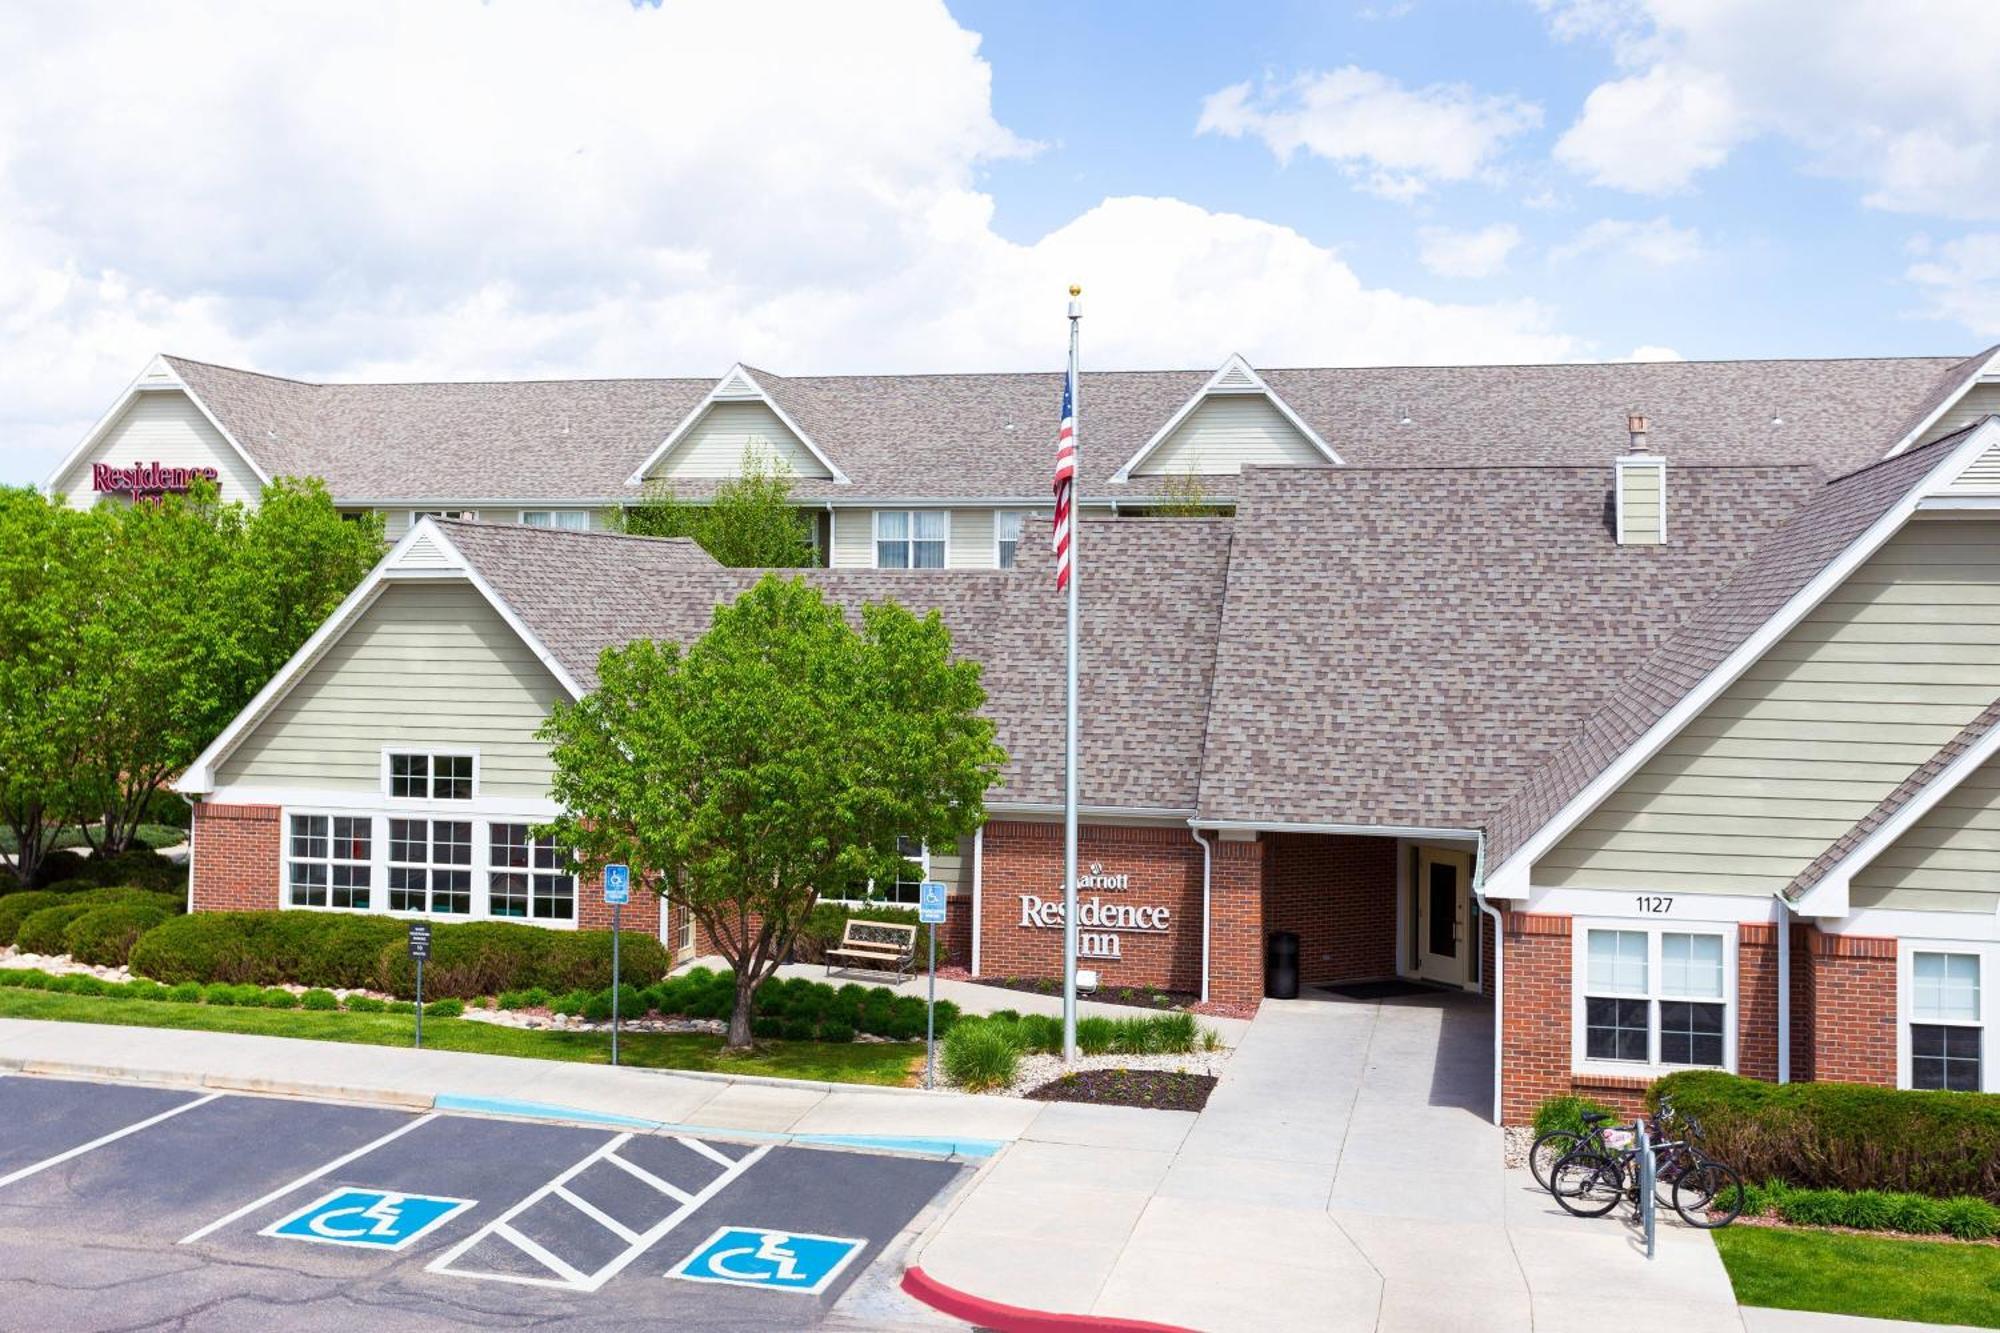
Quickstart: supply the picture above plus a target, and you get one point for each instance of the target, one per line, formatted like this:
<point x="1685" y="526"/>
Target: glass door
<point x="1441" y="889"/>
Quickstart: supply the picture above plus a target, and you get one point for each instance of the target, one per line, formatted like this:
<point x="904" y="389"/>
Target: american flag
<point x="1065" y="478"/>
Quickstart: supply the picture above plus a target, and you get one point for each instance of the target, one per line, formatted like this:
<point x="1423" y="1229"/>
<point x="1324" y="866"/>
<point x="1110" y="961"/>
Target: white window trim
<point x="1989" y="1008"/>
<point x="378" y="874"/>
<point x="522" y="518"/>
<point x="1021" y="520"/>
<point x="422" y="803"/>
<point x="431" y="866"/>
<point x="1580" y="928"/>
<point x="923" y="860"/>
<point x="376" y="859"/>
<point x="875" y="542"/>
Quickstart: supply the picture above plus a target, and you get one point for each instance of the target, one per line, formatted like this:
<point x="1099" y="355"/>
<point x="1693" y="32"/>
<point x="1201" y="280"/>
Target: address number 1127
<point x="1655" y="906"/>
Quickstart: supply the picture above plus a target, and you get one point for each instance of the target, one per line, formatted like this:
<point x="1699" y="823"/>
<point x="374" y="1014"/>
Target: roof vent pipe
<point x="1635" y="425"/>
<point x="1639" y="490"/>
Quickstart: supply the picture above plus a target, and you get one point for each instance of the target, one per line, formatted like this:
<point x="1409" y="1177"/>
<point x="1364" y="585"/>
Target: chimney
<point x="1639" y="486"/>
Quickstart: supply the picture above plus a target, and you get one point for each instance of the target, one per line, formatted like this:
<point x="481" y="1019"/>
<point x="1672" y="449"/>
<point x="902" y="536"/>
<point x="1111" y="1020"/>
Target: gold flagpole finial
<point x="1075" y="289"/>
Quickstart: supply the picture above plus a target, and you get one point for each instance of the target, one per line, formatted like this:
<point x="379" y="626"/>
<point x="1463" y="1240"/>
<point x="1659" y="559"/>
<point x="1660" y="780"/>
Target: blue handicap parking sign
<point x="617" y="885"/>
<point x="775" y="1260"/>
<point x="372" y="1219"/>
<point x="930" y="905"/>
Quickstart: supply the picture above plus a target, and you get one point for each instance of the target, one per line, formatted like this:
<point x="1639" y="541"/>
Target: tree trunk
<point x="739" y="1018"/>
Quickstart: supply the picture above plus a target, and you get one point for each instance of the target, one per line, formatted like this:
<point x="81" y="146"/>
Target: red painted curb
<point x="1012" y="1318"/>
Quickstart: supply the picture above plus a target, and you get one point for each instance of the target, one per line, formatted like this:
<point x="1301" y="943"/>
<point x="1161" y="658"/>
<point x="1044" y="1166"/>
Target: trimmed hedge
<point x="325" y="949"/>
<point x="18" y="907"/>
<point x="1964" y="1217"/>
<point x="1845" y="1136"/>
<point x="104" y="936"/>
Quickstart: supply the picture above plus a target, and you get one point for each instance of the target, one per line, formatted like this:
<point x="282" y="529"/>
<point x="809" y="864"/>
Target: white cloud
<point x="1392" y="140"/>
<point x="1654" y="243"/>
<point x="462" y="189"/>
<point x="1960" y="281"/>
<point x="1899" y="98"/>
<point x="1468" y="254"/>
<point x="1651" y="352"/>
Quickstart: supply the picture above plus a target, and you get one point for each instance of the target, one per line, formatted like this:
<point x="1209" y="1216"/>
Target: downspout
<point x="978" y="866"/>
<point x="1784" y="990"/>
<point x="1206" y="865"/>
<point x="189" y="801"/>
<point x="1499" y="970"/>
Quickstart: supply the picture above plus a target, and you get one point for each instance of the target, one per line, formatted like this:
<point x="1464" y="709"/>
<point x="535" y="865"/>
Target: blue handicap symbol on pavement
<point x="373" y="1219"/>
<point x="775" y="1260"/>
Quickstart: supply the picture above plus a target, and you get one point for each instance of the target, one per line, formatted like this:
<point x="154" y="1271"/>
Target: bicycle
<point x="1552" y="1147"/>
<point x="1705" y="1193"/>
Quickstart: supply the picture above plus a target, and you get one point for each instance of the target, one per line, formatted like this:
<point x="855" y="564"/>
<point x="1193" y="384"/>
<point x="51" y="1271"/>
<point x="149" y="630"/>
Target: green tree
<point x="51" y="559"/>
<point x="1185" y="495"/>
<point x="774" y="760"/>
<point x="750" y="523"/>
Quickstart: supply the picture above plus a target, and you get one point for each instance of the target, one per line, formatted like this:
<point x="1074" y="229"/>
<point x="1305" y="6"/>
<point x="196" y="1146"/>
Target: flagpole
<point x="1069" y="746"/>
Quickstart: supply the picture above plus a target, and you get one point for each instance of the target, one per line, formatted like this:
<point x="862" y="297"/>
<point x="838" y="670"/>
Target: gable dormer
<point x="737" y="415"/>
<point x="1235" y="420"/>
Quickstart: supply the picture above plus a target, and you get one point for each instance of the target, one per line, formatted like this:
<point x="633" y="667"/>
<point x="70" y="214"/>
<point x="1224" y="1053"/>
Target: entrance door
<point x="1442" y="881"/>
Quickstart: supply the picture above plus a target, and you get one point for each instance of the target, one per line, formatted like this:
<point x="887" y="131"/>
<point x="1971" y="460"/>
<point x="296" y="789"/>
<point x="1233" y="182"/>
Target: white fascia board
<point x="200" y="775"/>
<point x="1510" y="879"/>
<point x="1988" y="369"/>
<point x="737" y="373"/>
<point x="1835" y="883"/>
<point x="1235" y="365"/>
<point x="157" y="377"/>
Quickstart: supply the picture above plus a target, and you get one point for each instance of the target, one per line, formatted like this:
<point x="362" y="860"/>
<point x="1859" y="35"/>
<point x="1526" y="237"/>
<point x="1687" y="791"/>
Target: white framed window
<point x="911" y="538"/>
<point x="906" y="889"/>
<point x="430" y="775"/>
<point x="1652" y="997"/>
<point x="469" y="515"/>
<point x="1944" y="993"/>
<point x="570" y="520"/>
<point x="527" y="876"/>
<point x="330" y="861"/>
<point x="1006" y="537"/>
<point x="430" y="866"/>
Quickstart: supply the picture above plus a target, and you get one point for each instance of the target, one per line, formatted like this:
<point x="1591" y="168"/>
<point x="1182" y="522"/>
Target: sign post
<point x="420" y="949"/>
<point x="930" y="911"/>
<point x="617" y="892"/>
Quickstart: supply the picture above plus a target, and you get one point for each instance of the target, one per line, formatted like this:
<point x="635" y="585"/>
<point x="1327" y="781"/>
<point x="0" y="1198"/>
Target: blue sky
<point x="472" y="189"/>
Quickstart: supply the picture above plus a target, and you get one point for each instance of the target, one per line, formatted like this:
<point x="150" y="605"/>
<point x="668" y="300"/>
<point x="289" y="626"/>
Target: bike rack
<point x="1648" y="1179"/>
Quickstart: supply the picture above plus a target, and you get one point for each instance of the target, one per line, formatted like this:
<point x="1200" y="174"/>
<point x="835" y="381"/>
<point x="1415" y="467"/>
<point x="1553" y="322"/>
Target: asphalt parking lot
<point x="134" y="1207"/>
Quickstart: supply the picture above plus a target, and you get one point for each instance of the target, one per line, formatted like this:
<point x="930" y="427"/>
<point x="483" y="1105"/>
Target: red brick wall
<point x="1757" y="1000"/>
<point x="1854" y="1008"/>
<point x="1236" y="938"/>
<point x="235" y="852"/>
<point x="1803" y="1062"/>
<point x="1164" y="863"/>
<point x="1339" y="894"/>
<point x="1534" y="1019"/>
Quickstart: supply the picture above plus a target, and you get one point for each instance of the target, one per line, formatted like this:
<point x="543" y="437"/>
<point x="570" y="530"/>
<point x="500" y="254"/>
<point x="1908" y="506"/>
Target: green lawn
<point x="1934" y="1282"/>
<point x="858" y="1062"/>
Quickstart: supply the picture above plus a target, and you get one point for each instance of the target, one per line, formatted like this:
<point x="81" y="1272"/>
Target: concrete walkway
<point x="1343" y="1176"/>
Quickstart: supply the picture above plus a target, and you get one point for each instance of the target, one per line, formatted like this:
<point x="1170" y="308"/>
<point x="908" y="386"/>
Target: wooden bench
<point x="876" y="946"/>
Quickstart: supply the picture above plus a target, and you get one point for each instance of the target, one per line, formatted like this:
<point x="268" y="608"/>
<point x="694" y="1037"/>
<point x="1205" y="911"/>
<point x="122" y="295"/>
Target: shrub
<point x="981" y="1054"/>
<point x="1914" y="1213"/>
<point x="365" y="1004"/>
<point x="795" y="1029"/>
<point x="572" y="1003"/>
<point x="1175" y="1031"/>
<point x="1845" y="1136"/>
<point x="277" y="997"/>
<point x="118" y="990"/>
<point x="140" y="867"/>
<point x="221" y="992"/>
<point x="597" y="1009"/>
<point x="78" y="984"/>
<point x="42" y="931"/>
<point x="14" y="976"/>
<point x="399" y="1006"/>
<point x="835" y="1031"/>
<point x="59" y="867"/>
<point x="1968" y="1218"/>
<point x="444" y="1009"/>
<point x="766" y="1029"/>
<point x="319" y="1000"/>
<point x="146" y="990"/>
<point x="1566" y="1113"/>
<point x="187" y="992"/>
<point x="1038" y="1032"/>
<point x="484" y="957"/>
<point x="104" y="936"/>
<point x="18" y="907"/>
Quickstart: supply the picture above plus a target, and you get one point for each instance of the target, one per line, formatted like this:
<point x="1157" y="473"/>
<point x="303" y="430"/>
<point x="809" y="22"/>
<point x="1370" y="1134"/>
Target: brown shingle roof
<point x="1838" y="515"/>
<point x="1402" y="646"/>
<point x="989" y="436"/>
<point x="1148" y="638"/>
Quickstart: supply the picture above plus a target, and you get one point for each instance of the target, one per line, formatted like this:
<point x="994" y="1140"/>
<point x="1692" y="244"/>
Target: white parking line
<point x="566" y="1277"/>
<point x="112" y="1137"/>
<point x="305" y="1180"/>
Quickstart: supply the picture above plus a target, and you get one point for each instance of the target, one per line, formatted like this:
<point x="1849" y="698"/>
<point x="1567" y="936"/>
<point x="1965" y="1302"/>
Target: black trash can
<point x="1281" y="965"/>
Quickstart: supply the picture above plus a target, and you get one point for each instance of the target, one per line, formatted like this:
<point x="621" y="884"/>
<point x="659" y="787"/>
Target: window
<point x="908" y="886"/>
<point x="1654" y="997"/>
<point x="469" y="515"/>
<point x="430" y="777"/>
<point x="911" y="538"/>
<point x="1006" y="537"/>
<point x="570" y="520"/>
<point x="1945" y="1032"/>
<point x="529" y="877"/>
<point x="330" y="861"/>
<point x="430" y="866"/>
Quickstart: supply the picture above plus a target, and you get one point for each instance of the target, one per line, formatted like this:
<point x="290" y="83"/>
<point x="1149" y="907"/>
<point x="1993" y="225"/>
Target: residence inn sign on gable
<point x="1098" y="923"/>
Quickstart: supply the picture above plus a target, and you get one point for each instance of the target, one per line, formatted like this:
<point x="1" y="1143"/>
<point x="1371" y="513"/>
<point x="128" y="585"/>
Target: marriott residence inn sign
<point x="1098" y="923"/>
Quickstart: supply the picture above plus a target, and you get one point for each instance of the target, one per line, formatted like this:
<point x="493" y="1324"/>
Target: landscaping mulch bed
<point x="1154" y="1089"/>
<point x="1137" y="997"/>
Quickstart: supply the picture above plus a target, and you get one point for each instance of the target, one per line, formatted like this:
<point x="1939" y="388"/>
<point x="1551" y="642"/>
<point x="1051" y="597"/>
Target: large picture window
<point x="416" y="776"/>
<point x="329" y="862"/>
<point x="1654" y="997"/>
<point x="1946" y="1034"/>
<point x="528" y="876"/>
<point x="430" y="866"/>
<point x="911" y="538"/>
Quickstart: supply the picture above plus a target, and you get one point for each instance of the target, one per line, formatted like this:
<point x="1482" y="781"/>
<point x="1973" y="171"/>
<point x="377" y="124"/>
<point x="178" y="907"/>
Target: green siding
<point x="426" y="664"/>
<point x="1866" y="688"/>
<point x="1949" y="860"/>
